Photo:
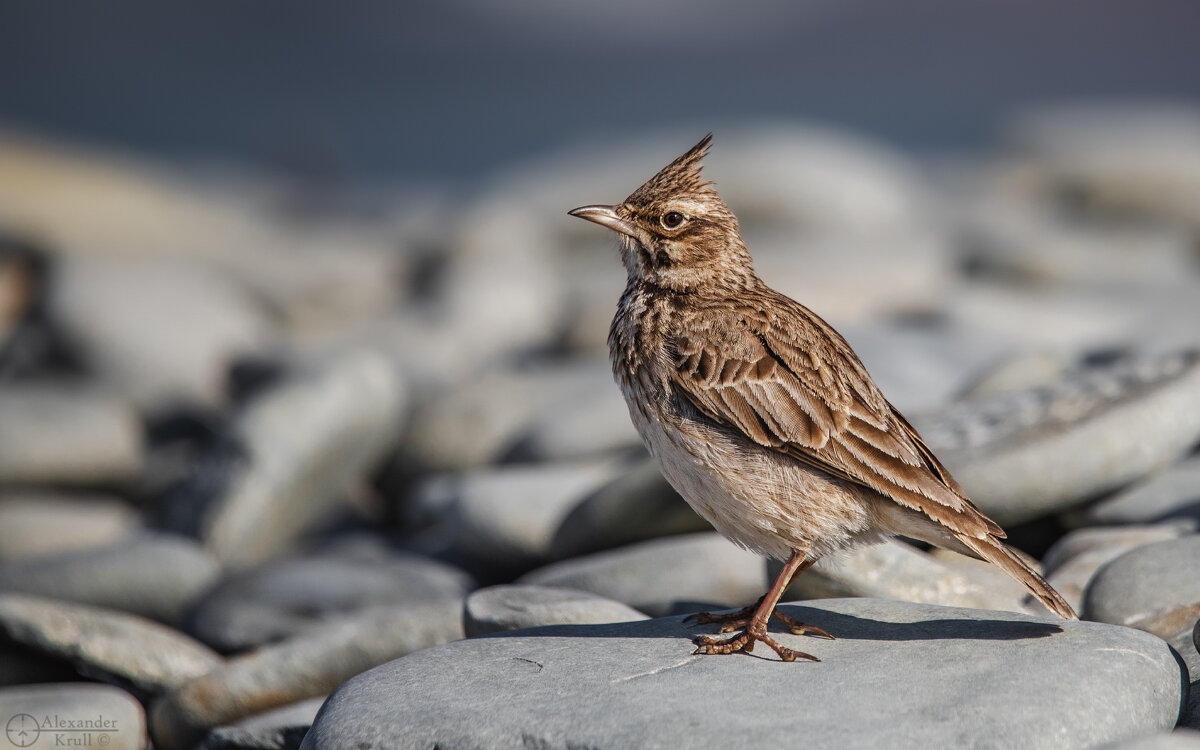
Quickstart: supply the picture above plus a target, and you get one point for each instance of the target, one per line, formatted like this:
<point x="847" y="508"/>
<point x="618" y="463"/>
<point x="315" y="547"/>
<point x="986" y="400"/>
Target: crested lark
<point x="760" y="414"/>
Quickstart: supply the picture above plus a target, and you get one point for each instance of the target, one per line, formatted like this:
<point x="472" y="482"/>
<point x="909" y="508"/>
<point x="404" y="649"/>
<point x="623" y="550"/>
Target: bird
<point x="761" y="415"/>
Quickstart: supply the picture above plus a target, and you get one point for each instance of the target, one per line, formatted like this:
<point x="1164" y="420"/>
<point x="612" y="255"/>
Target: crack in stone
<point x="660" y="670"/>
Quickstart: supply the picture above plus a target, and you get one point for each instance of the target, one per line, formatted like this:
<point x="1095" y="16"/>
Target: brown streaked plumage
<point x="760" y="414"/>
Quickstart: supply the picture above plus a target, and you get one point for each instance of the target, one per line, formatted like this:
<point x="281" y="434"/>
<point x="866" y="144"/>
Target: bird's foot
<point x="744" y="641"/>
<point x="799" y="628"/>
<point x="740" y="619"/>
<point x="729" y="621"/>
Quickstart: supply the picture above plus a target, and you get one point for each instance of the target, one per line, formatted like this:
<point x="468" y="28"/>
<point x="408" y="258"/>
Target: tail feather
<point x="995" y="552"/>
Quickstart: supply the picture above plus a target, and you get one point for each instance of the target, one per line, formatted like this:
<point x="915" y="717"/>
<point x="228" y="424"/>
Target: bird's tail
<point x="995" y="552"/>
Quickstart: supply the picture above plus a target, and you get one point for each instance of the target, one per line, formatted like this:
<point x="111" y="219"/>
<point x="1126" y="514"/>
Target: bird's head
<point x="675" y="230"/>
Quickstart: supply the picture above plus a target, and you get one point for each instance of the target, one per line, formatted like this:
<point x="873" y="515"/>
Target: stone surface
<point x="1026" y="454"/>
<point x="65" y="435"/>
<point x="659" y="576"/>
<point x="636" y="506"/>
<point x="1173" y="493"/>
<point x="306" y="666"/>
<point x="279" y="729"/>
<point x="1149" y="588"/>
<point x="1178" y="740"/>
<point x="72" y="715"/>
<point x="306" y="441"/>
<point x="157" y="330"/>
<point x="281" y="599"/>
<point x="490" y="416"/>
<point x="114" y="646"/>
<point x="511" y="607"/>
<point x="508" y="516"/>
<point x="44" y="523"/>
<point x="154" y="575"/>
<point x="1075" y="558"/>
<point x="920" y="675"/>
<point x="896" y="570"/>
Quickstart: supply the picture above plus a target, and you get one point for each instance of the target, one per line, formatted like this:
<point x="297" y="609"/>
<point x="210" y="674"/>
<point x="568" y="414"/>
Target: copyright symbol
<point x="104" y="740"/>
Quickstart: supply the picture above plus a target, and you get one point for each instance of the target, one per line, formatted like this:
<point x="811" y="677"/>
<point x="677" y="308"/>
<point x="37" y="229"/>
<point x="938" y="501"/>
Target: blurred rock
<point x="279" y="729"/>
<point x="636" y="506"/>
<point x="895" y="570"/>
<point x="153" y="575"/>
<point x="1017" y="373"/>
<point x="313" y="271"/>
<point x="304" y="442"/>
<point x="1075" y="558"/>
<point x="64" y="435"/>
<point x="663" y="575"/>
<point x="499" y="608"/>
<point x="42" y="523"/>
<point x="508" y="516"/>
<point x="1026" y="454"/>
<point x="305" y="666"/>
<point x="86" y="715"/>
<point x="157" y="331"/>
<point x="495" y="415"/>
<point x="285" y="598"/>
<point x="1178" y="740"/>
<point x="1172" y="494"/>
<point x="104" y="644"/>
<point x="1153" y="588"/>
<point x="1122" y="160"/>
<point x="922" y="676"/>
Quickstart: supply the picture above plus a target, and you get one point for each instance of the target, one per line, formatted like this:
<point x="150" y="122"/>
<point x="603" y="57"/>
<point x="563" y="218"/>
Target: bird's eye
<point x="672" y="220"/>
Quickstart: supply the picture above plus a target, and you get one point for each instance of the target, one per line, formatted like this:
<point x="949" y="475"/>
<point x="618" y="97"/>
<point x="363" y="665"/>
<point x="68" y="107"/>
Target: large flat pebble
<point x="663" y="575"/>
<point x="130" y="650"/>
<point x="1026" y="454"/>
<point x="154" y="575"/>
<point x="72" y="715"/>
<point x="42" y="523"/>
<point x="512" y="607"/>
<point x="64" y="435"/>
<point x="306" y="666"/>
<point x="1149" y="587"/>
<point x="899" y="675"/>
<point x="281" y="599"/>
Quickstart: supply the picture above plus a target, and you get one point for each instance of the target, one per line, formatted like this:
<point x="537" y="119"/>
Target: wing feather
<point x="791" y="383"/>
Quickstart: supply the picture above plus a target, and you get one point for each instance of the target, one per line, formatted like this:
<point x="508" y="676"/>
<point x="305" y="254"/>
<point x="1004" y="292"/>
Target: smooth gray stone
<point x="508" y="516"/>
<point x="157" y="330"/>
<point x="281" y="599"/>
<point x="279" y="729"/>
<point x="657" y="576"/>
<point x="306" y="666"/>
<point x="143" y="655"/>
<point x="1180" y="739"/>
<point x="1027" y="454"/>
<point x="72" y="715"/>
<point x="489" y="417"/>
<point x="64" y="435"/>
<point x="515" y="606"/>
<point x="309" y="439"/>
<point x="154" y="575"/>
<point x="636" y="506"/>
<point x="1074" y="559"/>
<point x="46" y="523"/>
<point x="906" y="675"/>
<point x="1148" y="587"/>
<point x="896" y="570"/>
<point x="1170" y="494"/>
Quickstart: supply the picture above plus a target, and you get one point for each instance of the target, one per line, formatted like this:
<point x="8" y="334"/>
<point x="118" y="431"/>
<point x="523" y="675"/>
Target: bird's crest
<point x="680" y="176"/>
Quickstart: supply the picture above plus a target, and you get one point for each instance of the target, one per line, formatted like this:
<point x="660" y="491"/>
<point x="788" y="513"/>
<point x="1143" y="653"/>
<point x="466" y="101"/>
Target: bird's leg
<point x="731" y="621"/>
<point x="756" y="626"/>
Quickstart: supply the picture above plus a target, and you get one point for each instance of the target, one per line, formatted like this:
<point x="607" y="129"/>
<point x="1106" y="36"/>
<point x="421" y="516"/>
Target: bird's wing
<point x="788" y="381"/>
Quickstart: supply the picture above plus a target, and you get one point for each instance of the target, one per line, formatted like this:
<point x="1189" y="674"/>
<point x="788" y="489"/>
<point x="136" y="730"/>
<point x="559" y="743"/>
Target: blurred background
<point x="293" y="284"/>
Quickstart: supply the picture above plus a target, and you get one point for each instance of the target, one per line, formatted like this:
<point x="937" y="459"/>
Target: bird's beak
<point x="605" y="216"/>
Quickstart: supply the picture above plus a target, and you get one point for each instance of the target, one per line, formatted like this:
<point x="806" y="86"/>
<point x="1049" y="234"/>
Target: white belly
<point x="761" y="500"/>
